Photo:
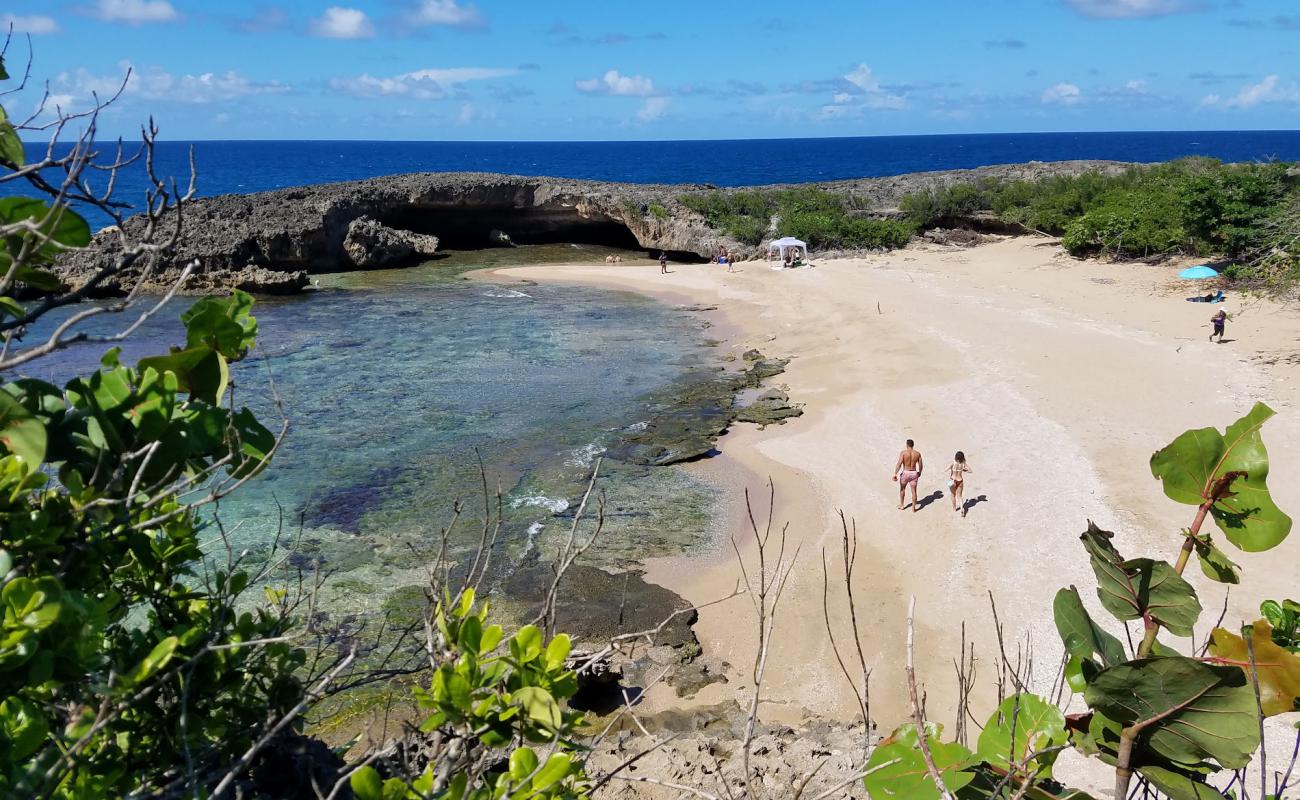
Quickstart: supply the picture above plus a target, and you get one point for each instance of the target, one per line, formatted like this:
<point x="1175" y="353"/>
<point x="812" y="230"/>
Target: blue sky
<point x="672" y="69"/>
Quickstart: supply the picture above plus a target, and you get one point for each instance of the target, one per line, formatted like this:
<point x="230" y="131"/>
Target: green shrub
<point x="816" y="216"/>
<point x="658" y="211"/>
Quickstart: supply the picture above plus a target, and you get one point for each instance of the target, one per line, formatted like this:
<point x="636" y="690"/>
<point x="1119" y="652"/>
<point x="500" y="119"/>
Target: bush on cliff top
<point x="816" y="216"/>
<point x="1195" y="205"/>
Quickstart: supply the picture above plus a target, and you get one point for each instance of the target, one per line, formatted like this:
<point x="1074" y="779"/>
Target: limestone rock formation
<point x="271" y="241"/>
<point x="370" y="244"/>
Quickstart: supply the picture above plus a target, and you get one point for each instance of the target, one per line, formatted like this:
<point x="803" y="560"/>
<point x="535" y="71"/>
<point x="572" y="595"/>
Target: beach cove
<point x="1058" y="378"/>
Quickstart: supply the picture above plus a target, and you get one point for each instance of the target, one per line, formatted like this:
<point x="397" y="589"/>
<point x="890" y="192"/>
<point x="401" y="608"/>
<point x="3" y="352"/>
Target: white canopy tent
<point x="779" y="247"/>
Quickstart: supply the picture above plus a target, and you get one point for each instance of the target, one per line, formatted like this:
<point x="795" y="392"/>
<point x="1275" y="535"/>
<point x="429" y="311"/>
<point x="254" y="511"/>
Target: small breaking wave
<point x="507" y="293"/>
<point x="585" y="455"/>
<point x="555" y="505"/>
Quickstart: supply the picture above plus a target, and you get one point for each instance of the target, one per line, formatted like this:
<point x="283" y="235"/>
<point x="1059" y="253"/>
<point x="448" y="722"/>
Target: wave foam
<point x="553" y="504"/>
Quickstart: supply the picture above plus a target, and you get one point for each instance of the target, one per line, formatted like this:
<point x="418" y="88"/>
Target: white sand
<point x="1057" y="377"/>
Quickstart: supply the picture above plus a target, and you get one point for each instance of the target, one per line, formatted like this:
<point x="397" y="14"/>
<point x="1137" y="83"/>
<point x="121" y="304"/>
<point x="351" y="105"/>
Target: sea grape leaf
<point x="1214" y="563"/>
<point x="1186" y="465"/>
<point x="1192" y="465"/>
<point x="11" y="145"/>
<point x="1178" y="785"/>
<point x="1278" y="668"/>
<point x="908" y="778"/>
<point x="21" y="432"/>
<point x="1082" y="637"/>
<point x="1022" y="725"/>
<point x="1141" y="586"/>
<point x="222" y="324"/>
<point x="1184" y="710"/>
<point x="63" y="227"/>
<point x="200" y="370"/>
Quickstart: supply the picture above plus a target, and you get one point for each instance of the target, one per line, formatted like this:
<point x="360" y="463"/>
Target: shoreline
<point x="1064" y="375"/>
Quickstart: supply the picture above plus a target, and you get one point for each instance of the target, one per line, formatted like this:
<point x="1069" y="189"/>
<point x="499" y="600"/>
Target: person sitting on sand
<point x="956" y="481"/>
<point x="788" y="261"/>
<point x="1218" y="320"/>
<point x="907" y="471"/>
<point x="663" y="262"/>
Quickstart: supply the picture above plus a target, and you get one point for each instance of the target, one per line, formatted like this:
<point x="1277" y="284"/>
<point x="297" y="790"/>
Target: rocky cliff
<point x="271" y="241"/>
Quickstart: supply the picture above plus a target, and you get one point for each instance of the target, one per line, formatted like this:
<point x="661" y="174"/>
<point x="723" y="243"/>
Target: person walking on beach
<point x="1218" y="321"/>
<point x="957" y="481"/>
<point x="907" y="472"/>
<point x="663" y="262"/>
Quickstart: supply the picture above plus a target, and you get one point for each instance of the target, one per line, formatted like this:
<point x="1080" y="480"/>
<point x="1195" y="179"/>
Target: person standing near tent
<point x="1218" y="321"/>
<point x="907" y="471"/>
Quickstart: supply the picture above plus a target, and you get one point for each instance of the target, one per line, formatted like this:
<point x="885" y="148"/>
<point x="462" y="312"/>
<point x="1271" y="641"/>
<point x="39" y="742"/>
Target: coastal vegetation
<point x="1244" y="213"/>
<point x="822" y="219"/>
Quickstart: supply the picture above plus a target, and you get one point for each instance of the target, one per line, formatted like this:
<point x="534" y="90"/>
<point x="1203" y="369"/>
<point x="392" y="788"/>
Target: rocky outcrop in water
<point x="272" y="241"/>
<point x="370" y="244"/>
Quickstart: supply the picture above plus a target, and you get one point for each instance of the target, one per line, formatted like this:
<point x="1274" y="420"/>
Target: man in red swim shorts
<point x="907" y="471"/>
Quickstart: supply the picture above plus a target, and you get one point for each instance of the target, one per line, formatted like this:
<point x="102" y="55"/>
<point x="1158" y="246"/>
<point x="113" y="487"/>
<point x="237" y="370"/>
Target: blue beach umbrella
<point x="1198" y="273"/>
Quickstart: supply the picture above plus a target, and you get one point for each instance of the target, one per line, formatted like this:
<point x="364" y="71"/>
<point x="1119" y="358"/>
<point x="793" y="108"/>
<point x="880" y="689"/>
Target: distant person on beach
<point x="1218" y="321"/>
<point x="957" y="481"/>
<point x="907" y="471"/>
<point x="663" y="263"/>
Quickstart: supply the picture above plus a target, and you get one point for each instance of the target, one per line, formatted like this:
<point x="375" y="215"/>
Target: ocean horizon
<point x="243" y="166"/>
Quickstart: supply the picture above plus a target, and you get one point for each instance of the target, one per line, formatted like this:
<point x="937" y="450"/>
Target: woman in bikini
<point x="956" y="481"/>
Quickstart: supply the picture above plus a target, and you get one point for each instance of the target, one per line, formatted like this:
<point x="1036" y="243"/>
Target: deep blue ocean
<point x="253" y="166"/>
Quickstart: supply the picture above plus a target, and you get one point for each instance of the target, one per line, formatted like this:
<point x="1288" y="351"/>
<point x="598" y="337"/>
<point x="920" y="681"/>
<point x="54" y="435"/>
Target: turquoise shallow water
<point x="397" y="383"/>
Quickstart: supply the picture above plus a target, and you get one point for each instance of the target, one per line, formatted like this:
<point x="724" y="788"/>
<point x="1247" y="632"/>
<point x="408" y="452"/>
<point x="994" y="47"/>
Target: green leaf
<point x="458" y="691"/>
<point x="1132" y="589"/>
<point x="31" y="603"/>
<point x="557" y="651"/>
<point x="1185" y="711"/>
<point x="1080" y="634"/>
<point x="1196" y="462"/>
<point x="522" y="763"/>
<point x="527" y="644"/>
<point x="158" y="658"/>
<point x="470" y="635"/>
<point x="1179" y="785"/>
<point x="11" y="307"/>
<point x="1248" y="516"/>
<point x="222" y="324"/>
<point x="23" y="728"/>
<point x="1023" y="725"/>
<point x="63" y="228"/>
<point x="558" y="767"/>
<point x="21" y="433"/>
<point x="492" y="636"/>
<point x="908" y="778"/>
<point x="1215" y="565"/>
<point x="1272" y="611"/>
<point x="11" y="146"/>
<point x="1186" y="465"/>
<point x="540" y="706"/>
<point x="366" y="784"/>
<point x="201" y="371"/>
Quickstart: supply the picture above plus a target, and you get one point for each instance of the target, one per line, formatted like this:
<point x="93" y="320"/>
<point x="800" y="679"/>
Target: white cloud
<point x="1136" y="86"/>
<point x="652" y="109"/>
<point x="1065" y="94"/>
<point x="135" y="12"/>
<point x="448" y="13"/>
<point x="78" y="86"/>
<point x="859" y="90"/>
<point x="342" y="23"/>
<point x="1129" y="9"/>
<point x="612" y="83"/>
<point x="34" y="24"/>
<point x="1266" y="91"/>
<point x="425" y="84"/>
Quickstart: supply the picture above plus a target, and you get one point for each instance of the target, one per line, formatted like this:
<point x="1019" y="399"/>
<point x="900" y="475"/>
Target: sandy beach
<point x="1057" y="377"/>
